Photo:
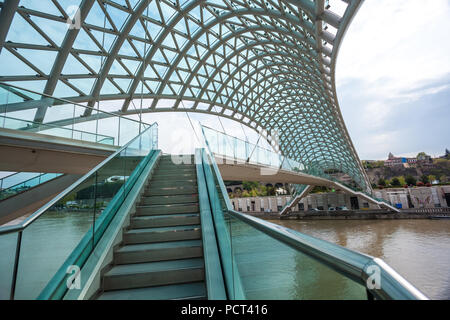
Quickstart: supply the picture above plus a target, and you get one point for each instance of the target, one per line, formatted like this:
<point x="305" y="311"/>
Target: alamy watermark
<point x="373" y="282"/>
<point x="74" y="280"/>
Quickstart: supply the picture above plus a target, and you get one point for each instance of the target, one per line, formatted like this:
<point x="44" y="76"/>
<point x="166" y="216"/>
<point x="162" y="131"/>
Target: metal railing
<point x="67" y="119"/>
<point x="244" y="151"/>
<point x="239" y="150"/>
<point x="53" y="130"/>
<point x="352" y="265"/>
<point x="26" y="185"/>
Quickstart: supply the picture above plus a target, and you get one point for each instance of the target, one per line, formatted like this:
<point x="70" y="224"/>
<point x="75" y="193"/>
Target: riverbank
<point x="354" y="215"/>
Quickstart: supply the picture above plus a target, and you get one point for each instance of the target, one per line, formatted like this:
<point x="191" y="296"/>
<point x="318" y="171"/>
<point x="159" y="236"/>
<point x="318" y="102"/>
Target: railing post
<point x="95" y="210"/>
<point x="16" y="266"/>
<point x="118" y="133"/>
<point x="73" y="121"/>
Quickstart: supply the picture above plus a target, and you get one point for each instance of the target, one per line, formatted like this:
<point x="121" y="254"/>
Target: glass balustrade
<point x="265" y="261"/>
<point x="8" y="245"/>
<point x="27" y="184"/>
<point x="64" y="119"/>
<point x="15" y="178"/>
<point x="243" y="151"/>
<point x="229" y="147"/>
<point x="259" y="267"/>
<point x="64" y="232"/>
<point x="268" y="269"/>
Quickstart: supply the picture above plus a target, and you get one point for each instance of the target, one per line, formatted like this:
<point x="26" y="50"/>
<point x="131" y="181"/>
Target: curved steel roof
<point x="267" y="64"/>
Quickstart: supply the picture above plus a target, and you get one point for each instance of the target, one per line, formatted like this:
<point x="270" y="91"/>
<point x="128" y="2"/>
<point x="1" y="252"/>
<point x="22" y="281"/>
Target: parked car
<point x="344" y="208"/>
<point x="331" y="209"/>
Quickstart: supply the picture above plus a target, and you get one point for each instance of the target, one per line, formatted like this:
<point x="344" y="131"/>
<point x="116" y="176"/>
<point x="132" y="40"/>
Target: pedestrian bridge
<point x="168" y="231"/>
<point x="111" y="217"/>
<point x="237" y="160"/>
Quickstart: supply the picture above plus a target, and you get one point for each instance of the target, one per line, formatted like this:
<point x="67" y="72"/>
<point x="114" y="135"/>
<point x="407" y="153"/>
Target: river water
<point x="417" y="249"/>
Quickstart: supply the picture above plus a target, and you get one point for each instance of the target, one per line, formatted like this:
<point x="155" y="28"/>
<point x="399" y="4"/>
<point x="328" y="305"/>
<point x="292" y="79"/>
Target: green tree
<point x="382" y="182"/>
<point x="421" y="154"/>
<point x="263" y="191"/>
<point x="249" y="185"/>
<point x="379" y="164"/>
<point x="271" y="191"/>
<point x="70" y="197"/>
<point x="432" y="178"/>
<point x="402" y="180"/>
<point x="410" y="180"/>
<point x="425" y="179"/>
<point x="395" y="182"/>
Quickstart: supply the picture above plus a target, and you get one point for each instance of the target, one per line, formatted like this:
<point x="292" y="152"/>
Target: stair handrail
<point x="352" y="264"/>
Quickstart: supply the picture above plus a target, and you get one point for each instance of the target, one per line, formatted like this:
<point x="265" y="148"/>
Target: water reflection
<point x="268" y="269"/>
<point x="418" y="249"/>
<point x="45" y="246"/>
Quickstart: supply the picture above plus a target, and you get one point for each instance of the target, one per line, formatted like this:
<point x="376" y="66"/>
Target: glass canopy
<point x="267" y="64"/>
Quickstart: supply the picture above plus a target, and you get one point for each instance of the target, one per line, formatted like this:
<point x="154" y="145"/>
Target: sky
<point x="393" y="84"/>
<point x="393" y="78"/>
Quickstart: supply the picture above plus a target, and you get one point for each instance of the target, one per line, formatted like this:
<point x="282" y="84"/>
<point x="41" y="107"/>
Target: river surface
<point x="417" y="249"/>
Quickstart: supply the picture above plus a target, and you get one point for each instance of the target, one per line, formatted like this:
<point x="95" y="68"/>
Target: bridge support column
<point x="380" y="204"/>
<point x="296" y="200"/>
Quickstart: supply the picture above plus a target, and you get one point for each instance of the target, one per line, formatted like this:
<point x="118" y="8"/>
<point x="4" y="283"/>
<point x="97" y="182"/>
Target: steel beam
<point x="9" y="8"/>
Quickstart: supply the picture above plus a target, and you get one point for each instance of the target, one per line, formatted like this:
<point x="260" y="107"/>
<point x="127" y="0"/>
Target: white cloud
<point x="394" y="51"/>
<point x="403" y="41"/>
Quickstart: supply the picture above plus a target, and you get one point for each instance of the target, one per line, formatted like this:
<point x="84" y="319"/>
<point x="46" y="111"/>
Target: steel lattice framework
<point x="268" y="64"/>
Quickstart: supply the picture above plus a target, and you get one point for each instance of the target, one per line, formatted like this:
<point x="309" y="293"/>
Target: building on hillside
<point x="393" y="161"/>
<point x="422" y="159"/>
<point x="447" y="155"/>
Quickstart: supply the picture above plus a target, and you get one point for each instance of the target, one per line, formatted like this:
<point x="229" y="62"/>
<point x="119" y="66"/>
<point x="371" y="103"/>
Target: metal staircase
<point x="161" y="255"/>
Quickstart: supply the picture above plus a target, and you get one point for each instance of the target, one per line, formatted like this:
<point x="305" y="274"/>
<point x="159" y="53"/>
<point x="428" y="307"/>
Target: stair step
<point x="162" y="234"/>
<point x="150" y="274"/>
<point x="175" y="177"/>
<point x="171" y="220"/>
<point x="170" y="199"/>
<point x="150" y="252"/>
<point x="175" y="170"/>
<point x="160" y="209"/>
<point x="195" y="290"/>
<point x="174" y="166"/>
<point x="155" y="190"/>
<point x="163" y="184"/>
<point x="172" y="182"/>
<point x="166" y="167"/>
<point x="177" y="159"/>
